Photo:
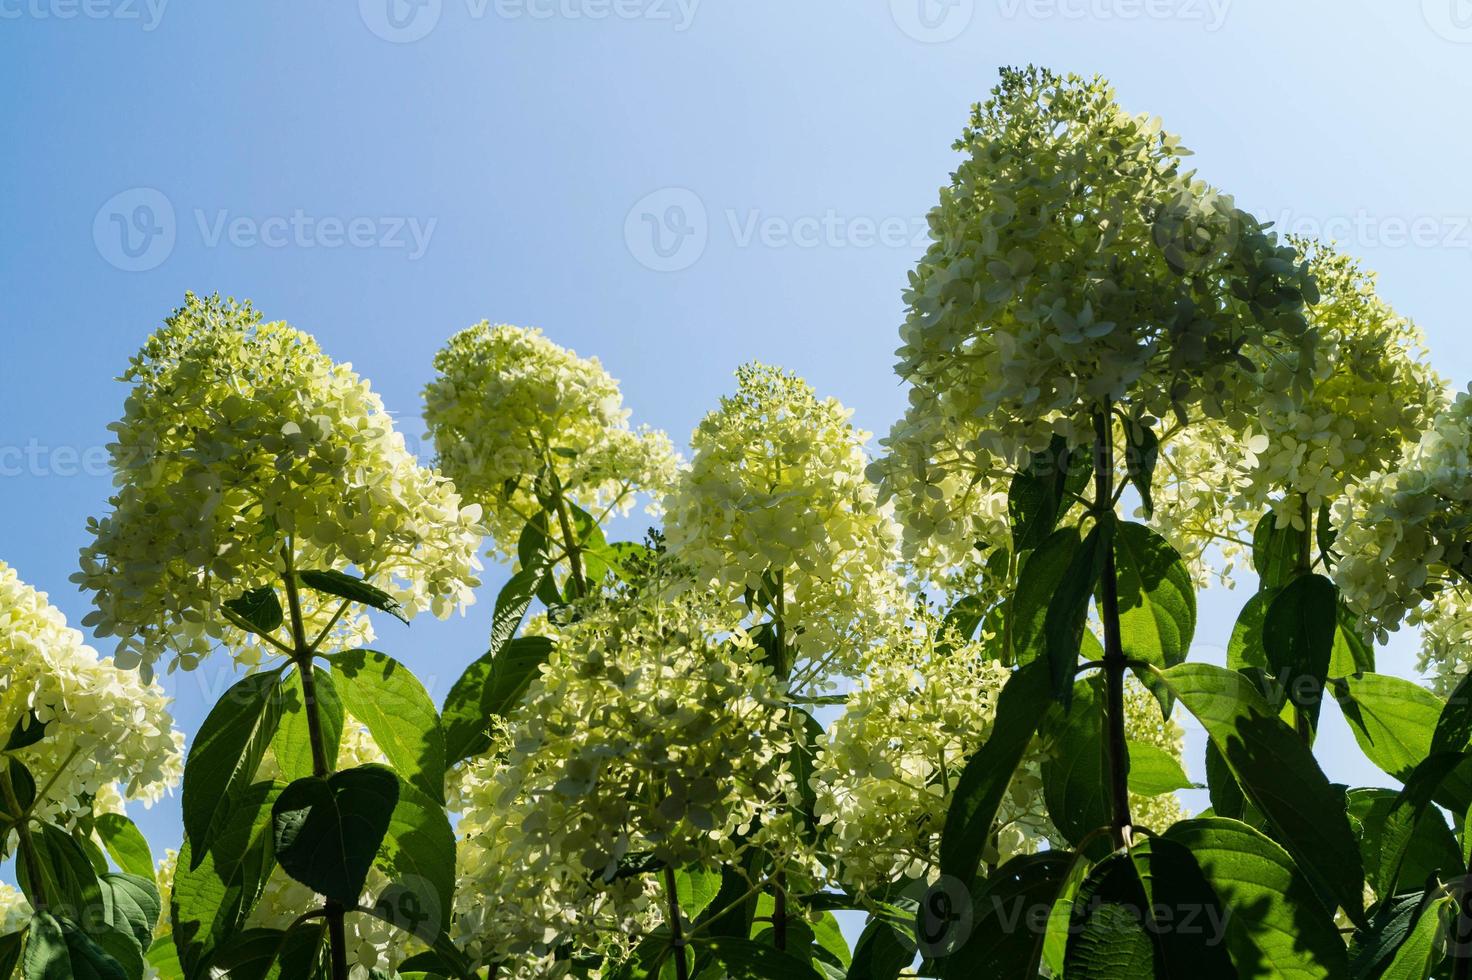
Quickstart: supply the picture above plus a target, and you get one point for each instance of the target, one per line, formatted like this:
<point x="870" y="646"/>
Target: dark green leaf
<point x="22" y="784"/>
<point x="353" y="589"/>
<point x="1000" y="935"/>
<point x="745" y="959"/>
<point x="27" y="732"/>
<point x="965" y="617"/>
<point x="1154" y="771"/>
<point x="979" y="792"/>
<point x="1353" y="654"/>
<point x="1037" y="582"/>
<point x="131" y="905"/>
<point x="1039" y="495"/>
<point x="164" y="959"/>
<point x="126" y="844"/>
<point x="1075" y="786"/>
<point x="1226" y="796"/>
<point x="418" y="856"/>
<point x="1068" y="611"/>
<point x="214" y="894"/>
<point x="1276" y="926"/>
<point x="490" y="687"/>
<point x="1375" y="946"/>
<point x="1157" y="601"/>
<point x="59" y="949"/>
<point x="1422" y="949"/>
<point x="1298" y="636"/>
<point x="1454" y="726"/>
<point x="259" y="609"/>
<point x="385" y="696"/>
<point x="1186" y="917"/>
<point x="65" y="873"/>
<point x="11" y="945"/>
<point x="292" y="743"/>
<point x="327" y="830"/>
<point x="1431" y="850"/>
<point x="1276" y="552"/>
<point x="1245" y="648"/>
<point x="882" y="951"/>
<point x="273" y="954"/>
<point x="1142" y="453"/>
<point x="1279" y="775"/>
<point x="1392" y="719"/>
<point x="1108" y="939"/>
<point x="226" y="753"/>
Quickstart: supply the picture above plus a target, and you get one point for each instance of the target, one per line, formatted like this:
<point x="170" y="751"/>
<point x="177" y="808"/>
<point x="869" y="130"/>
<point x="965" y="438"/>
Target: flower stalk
<point x="1115" y="663"/>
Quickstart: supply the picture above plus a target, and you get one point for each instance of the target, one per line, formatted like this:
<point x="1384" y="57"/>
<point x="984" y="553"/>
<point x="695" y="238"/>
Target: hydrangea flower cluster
<point x="1073" y="262"/>
<point x="1372" y="395"/>
<point x="1404" y="535"/>
<point x="508" y="403"/>
<point x="109" y="735"/>
<point x="1446" y="638"/>
<point x="241" y="443"/>
<point x="1073" y="265"/>
<point x="887" y="765"/>
<point x="775" y="503"/>
<point x="653" y="732"/>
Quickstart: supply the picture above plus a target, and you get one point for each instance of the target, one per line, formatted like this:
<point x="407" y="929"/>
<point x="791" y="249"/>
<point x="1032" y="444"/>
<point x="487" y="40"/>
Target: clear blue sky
<point x="384" y="175"/>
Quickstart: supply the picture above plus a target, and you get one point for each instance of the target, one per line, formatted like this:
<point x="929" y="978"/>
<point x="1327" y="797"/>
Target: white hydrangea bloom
<point x="109" y="736"/>
<point x="887" y="766"/>
<point x="508" y="403"/>
<point x="775" y="505"/>
<point x="1372" y="396"/>
<point x="652" y="731"/>
<point x="1446" y="638"/>
<point x="1403" y="535"/>
<point x="1073" y="264"/>
<point x="15" y="911"/>
<point x="241" y="440"/>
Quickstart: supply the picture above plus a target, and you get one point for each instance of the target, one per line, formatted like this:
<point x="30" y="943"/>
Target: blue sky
<point x="674" y="185"/>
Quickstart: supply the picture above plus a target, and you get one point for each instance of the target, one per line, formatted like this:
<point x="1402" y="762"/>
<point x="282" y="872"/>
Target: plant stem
<point x="677" y="935"/>
<point x="27" y="845"/>
<point x="784" y="671"/>
<point x="302" y="657"/>
<point x="570" y="543"/>
<point x="1115" y="746"/>
<point x="1462" y="936"/>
